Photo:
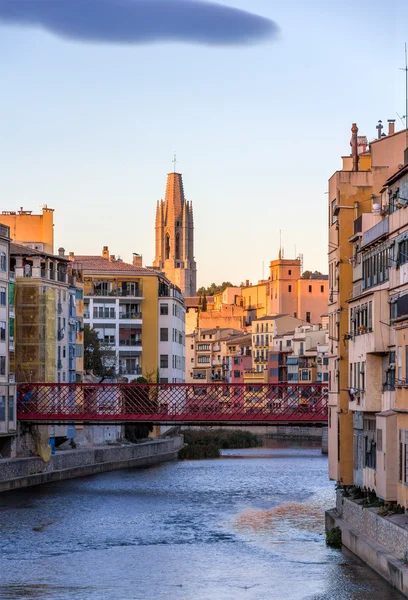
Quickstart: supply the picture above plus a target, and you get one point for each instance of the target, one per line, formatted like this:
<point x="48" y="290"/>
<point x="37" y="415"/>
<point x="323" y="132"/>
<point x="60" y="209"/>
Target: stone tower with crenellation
<point x="175" y="237"/>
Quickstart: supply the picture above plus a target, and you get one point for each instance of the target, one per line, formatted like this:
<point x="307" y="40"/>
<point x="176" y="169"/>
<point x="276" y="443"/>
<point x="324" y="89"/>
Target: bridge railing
<point x="215" y="402"/>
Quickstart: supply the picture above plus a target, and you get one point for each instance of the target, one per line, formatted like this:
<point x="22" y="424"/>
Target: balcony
<point x="61" y="276"/>
<point x="11" y="344"/>
<point x="130" y="315"/>
<point x="12" y="277"/>
<point x="216" y="348"/>
<point x="61" y="333"/>
<point x="59" y="308"/>
<point x="59" y="365"/>
<point x="129" y="371"/>
<point x="217" y="362"/>
<point x="116" y="292"/>
<point x="132" y="342"/>
<point x="72" y="364"/>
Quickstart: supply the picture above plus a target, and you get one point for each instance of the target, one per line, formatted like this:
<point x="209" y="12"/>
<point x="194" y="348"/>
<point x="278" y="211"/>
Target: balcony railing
<point x="132" y="342"/>
<point x="117" y="292"/>
<point x="131" y="315"/>
<point x="59" y="308"/>
<point x="126" y="371"/>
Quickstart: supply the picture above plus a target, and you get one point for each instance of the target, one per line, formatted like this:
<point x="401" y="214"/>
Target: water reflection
<point x="248" y="526"/>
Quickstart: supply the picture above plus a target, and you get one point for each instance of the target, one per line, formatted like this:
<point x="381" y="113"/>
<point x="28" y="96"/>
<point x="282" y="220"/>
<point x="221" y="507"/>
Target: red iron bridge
<point x="173" y="404"/>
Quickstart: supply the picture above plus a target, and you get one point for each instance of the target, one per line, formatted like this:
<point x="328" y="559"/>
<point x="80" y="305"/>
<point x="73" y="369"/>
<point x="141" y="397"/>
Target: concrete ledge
<point x="394" y="570"/>
<point x="24" y="472"/>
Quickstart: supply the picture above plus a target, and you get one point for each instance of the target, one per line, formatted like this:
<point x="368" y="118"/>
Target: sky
<point x="258" y="110"/>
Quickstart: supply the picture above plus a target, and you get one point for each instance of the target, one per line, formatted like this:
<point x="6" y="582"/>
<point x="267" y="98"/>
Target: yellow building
<point x="28" y="229"/>
<point x="138" y="314"/>
<point x="45" y="322"/>
<point x="352" y="193"/>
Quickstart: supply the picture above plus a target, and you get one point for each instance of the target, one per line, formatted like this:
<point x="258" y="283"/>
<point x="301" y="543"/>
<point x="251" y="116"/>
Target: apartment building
<point x="299" y="356"/>
<point x="264" y="329"/>
<point x="207" y="349"/>
<point x="46" y="325"/>
<point x="138" y="314"/>
<point x="238" y="358"/>
<point x="8" y="419"/>
<point x="29" y="229"/>
<point x="353" y="192"/>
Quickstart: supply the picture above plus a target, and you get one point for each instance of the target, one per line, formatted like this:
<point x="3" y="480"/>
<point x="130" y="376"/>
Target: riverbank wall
<point x="381" y="542"/>
<point x="24" y="472"/>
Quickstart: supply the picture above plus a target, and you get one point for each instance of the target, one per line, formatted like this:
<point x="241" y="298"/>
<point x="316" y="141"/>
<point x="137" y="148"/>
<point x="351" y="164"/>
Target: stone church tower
<point x="175" y="237"/>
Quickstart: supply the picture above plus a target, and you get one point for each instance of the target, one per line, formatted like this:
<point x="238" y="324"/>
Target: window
<point x="2" y="365"/>
<point x="274" y="372"/>
<point x="289" y="288"/>
<point x="64" y="352"/>
<point x="192" y="360"/>
<point x="63" y="376"/>
<point x="399" y="355"/>
<point x="380" y="440"/>
<point x="164" y="380"/>
<point x="406" y="457"/>
<point x="164" y="361"/>
<point x="305" y="374"/>
<point x="322" y="289"/>
<point x="325" y="377"/>
<point x="192" y="347"/>
<point x="164" y="334"/>
<point x="310" y="289"/>
<point x="236" y="360"/>
<point x="308" y="317"/>
<point x="2" y="408"/>
<point x="333" y="216"/>
<point x="237" y="374"/>
<point x="288" y="343"/>
<point x="78" y="350"/>
<point x="2" y="296"/>
<point x="2" y="331"/>
<point x="400" y="456"/>
<point x="11" y="408"/>
<point x="203" y="359"/>
<point x="376" y="266"/>
<point x="3" y="262"/>
<point x="289" y="272"/>
<point x="164" y="309"/>
<point x="325" y="360"/>
<point x="203" y="347"/>
<point x="295" y="315"/>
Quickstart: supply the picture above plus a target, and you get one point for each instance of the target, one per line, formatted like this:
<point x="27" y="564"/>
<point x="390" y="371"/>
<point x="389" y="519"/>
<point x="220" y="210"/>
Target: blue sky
<point x="90" y="130"/>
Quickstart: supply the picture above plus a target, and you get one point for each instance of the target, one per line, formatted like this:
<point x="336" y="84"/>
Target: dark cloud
<point x="139" y="21"/>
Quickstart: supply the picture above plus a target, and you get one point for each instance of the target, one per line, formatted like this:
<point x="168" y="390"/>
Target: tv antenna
<point x="406" y="93"/>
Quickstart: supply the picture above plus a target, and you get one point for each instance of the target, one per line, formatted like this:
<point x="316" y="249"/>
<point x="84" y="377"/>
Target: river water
<point x="249" y="526"/>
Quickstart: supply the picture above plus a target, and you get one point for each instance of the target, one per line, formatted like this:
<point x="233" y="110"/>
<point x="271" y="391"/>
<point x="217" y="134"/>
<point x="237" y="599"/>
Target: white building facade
<point x="172" y="338"/>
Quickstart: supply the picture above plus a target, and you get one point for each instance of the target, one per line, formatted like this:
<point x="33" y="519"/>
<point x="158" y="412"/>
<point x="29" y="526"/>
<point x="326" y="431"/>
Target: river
<point x="248" y="526"/>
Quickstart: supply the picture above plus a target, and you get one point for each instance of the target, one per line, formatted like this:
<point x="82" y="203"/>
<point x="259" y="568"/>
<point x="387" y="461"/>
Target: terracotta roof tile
<point x="101" y="264"/>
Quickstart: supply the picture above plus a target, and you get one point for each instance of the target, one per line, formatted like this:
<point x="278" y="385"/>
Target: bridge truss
<point x="201" y="403"/>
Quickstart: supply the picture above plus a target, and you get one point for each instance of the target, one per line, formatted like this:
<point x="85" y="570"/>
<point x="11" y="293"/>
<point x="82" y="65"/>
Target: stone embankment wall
<point x="378" y="541"/>
<point x="24" y="472"/>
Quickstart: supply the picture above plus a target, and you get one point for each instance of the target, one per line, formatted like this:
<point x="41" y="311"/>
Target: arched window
<point x="177" y="246"/>
<point x="167" y="251"/>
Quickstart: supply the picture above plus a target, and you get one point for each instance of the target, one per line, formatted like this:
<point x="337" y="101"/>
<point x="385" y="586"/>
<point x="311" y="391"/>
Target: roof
<point x="21" y="250"/>
<point x="241" y="339"/>
<point x="104" y="265"/>
<point x="397" y="175"/>
<point x="270" y="317"/>
<point x="194" y="301"/>
<point x="218" y="329"/>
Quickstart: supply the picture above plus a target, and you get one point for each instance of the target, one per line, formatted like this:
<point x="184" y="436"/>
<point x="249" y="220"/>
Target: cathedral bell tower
<point x="175" y="237"/>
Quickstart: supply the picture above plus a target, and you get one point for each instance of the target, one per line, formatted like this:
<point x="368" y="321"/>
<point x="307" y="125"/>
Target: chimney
<point x="61" y="251"/>
<point x="105" y="252"/>
<point x="391" y="126"/>
<point x="247" y="283"/>
<point x="137" y="260"/>
<point x="354" y="148"/>
<point x="112" y="258"/>
<point x="71" y="256"/>
<point x="379" y="128"/>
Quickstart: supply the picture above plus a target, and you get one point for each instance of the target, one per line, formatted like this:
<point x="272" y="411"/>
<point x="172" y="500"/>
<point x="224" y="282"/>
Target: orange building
<point x="35" y="231"/>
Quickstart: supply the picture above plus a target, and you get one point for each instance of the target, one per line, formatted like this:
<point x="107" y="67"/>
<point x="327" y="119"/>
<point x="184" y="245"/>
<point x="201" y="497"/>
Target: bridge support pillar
<point x="325" y="440"/>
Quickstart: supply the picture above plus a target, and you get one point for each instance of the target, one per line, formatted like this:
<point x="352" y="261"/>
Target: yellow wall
<point x="255" y="297"/>
<point x="150" y="327"/>
<point x="32" y="228"/>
